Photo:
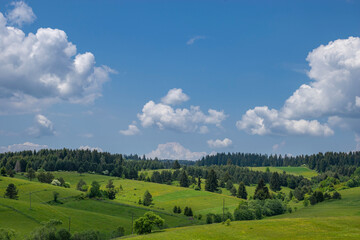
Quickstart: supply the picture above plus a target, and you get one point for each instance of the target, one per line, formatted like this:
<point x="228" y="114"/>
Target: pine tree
<point x="176" y="165"/>
<point x="233" y="191"/>
<point x="186" y="209"/>
<point x="211" y="183"/>
<point x="184" y="180"/>
<point x="147" y="200"/>
<point x="11" y="192"/>
<point x="275" y="183"/>
<point x="242" y="191"/>
<point x="261" y="191"/>
<point x="199" y="182"/>
<point x="175" y="209"/>
<point x="229" y="185"/>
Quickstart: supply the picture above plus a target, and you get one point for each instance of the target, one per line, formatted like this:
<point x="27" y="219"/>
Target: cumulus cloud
<point x="190" y="119"/>
<point x="90" y="148"/>
<point x="265" y="121"/>
<point x="332" y="93"/>
<point x="43" y="68"/>
<point x="175" y="151"/>
<point x="357" y="140"/>
<point x="22" y="147"/>
<point x="175" y="96"/>
<point x="132" y="130"/>
<point x="20" y="14"/>
<point x="219" y="143"/>
<point x="186" y="120"/>
<point x="192" y="40"/>
<point x="43" y="127"/>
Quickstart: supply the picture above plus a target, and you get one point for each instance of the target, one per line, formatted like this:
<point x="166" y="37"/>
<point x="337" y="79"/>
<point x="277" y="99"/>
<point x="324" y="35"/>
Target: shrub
<point x="336" y="195"/>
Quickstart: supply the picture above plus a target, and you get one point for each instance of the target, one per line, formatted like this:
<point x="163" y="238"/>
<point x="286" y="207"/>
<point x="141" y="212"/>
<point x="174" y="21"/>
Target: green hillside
<point x="334" y="219"/>
<point x="104" y="216"/>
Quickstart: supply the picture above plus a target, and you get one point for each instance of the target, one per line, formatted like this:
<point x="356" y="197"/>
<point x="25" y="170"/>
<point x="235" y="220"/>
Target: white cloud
<point x="219" y="143"/>
<point x="357" y="101"/>
<point x="37" y="70"/>
<point x="132" y="130"/>
<point x="175" y="151"/>
<point x="22" y="147"/>
<point x="90" y="148"/>
<point x="265" y="121"/>
<point x="20" y="14"/>
<point x="43" y="127"/>
<point x="333" y="93"/>
<point x="203" y="129"/>
<point x="192" y="40"/>
<point x="278" y="146"/>
<point x="186" y="120"/>
<point x="175" y="96"/>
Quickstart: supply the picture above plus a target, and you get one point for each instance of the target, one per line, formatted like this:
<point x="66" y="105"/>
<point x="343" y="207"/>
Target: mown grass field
<point x="303" y="171"/>
<point x="334" y="219"/>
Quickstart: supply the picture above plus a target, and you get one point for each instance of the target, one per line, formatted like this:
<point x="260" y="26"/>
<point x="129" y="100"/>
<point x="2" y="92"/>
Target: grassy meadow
<point x="297" y="171"/>
<point x="334" y="219"/>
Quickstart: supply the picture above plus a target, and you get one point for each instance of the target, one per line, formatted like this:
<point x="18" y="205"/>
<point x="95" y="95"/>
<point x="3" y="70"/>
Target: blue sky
<point x="245" y="76"/>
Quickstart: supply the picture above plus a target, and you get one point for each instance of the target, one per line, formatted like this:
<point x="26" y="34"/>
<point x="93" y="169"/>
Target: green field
<point x="297" y="171"/>
<point x="165" y="196"/>
<point x="334" y="219"/>
<point x="104" y="216"/>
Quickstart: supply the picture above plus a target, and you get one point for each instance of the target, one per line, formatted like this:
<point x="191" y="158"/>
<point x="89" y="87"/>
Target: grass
<point x="104" y="216"/>
<point x="165" y="196"/>
<point x="334" y="219"/>
<point x="297" y="171"/>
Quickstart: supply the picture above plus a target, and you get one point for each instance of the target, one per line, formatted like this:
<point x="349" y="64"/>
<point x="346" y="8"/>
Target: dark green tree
<point x="275" y="182"/>
<point x="3" y="171"/>
<point x="261" y="191"/>
<point x="241" y="193"/>
<point x="176" y="165"/>
<point x="145" y="224"/>
<point x="147" y="199"/>
<point x="184" y="179"/>
<point x="11" y="192"/>
<point x="111" y="192"/>
<point x="175" y="209"/>
<point x="95" y="190"/>
<point x="233" y="191"/>
<point x="30" y="173"/>
<point x="229" y="185"/>
<point x="199" y="182"/>
<point x="211" y="183"/>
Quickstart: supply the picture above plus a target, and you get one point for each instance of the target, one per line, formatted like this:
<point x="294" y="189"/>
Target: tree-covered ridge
<point x="81" y="161"/>
<point x="343" y="163"/>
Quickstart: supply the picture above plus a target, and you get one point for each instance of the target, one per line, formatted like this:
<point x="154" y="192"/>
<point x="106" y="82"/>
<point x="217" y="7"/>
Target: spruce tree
<point x="242" y="191"/>
<point x="261" y="191"/>
<point x="275" y="183"/>
<point x="11" y="192"/>
<point x="233" y="191"/>
<point x="199" y="182"/>
<point x="175" y="209"/>
<point x="147" y="198"/>
<point x="176" y="165"/>
<point x="184" y="180"/>
<point x="211" y="183"/>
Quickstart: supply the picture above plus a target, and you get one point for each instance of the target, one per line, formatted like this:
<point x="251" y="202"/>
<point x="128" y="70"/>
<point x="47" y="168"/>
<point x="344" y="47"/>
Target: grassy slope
<point x="85" y="214"/>
<point x="165" y="196"/>
<point x="304" y="171"/>
<point x="336" y="219"/>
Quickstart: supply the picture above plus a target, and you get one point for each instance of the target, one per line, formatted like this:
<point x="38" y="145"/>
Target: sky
<point x="180" y="79"/>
